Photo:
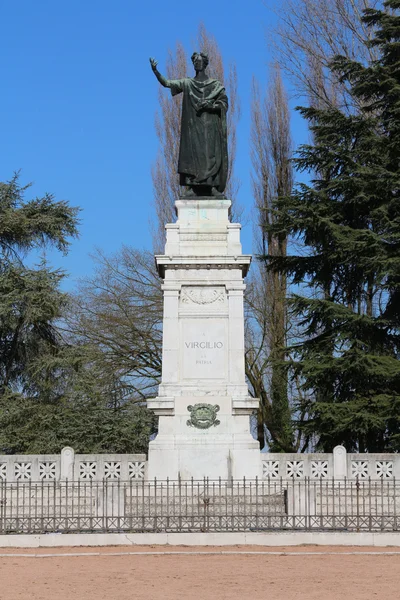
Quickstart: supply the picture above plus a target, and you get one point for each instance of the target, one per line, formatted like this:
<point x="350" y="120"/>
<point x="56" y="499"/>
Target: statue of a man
<point x="203" y="152"/>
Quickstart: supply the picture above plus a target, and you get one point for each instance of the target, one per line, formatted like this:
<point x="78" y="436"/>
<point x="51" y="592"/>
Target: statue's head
<point x="199" y="60"/>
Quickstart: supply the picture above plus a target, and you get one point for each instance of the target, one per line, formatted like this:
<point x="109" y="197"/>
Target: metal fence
<point x="185" y="506"/>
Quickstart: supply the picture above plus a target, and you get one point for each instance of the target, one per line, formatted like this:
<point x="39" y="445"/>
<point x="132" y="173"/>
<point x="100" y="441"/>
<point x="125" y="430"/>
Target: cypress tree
<point x="348" y="277"/>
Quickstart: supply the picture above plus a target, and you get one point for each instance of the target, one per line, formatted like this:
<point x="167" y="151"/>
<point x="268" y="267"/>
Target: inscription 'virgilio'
<point x="204" y="345"/>
<point x="199" y="295"/>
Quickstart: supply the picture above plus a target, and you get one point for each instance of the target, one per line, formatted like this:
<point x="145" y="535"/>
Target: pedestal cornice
<point x="165" y="262"/>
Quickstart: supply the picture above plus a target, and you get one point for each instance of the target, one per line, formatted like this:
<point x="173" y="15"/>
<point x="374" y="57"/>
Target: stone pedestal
<point x="203" y="403"/>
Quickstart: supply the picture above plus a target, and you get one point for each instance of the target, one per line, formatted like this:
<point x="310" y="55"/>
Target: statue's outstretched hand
<point x="153" y="63"/>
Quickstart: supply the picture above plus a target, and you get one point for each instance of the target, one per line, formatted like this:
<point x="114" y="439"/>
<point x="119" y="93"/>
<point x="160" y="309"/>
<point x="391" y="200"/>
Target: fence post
<point x="339" y="462"/>
<point x="67" y="463"/>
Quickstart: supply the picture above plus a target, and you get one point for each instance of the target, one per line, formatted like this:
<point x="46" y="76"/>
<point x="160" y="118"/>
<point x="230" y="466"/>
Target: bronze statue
<point x="203" y="151"/>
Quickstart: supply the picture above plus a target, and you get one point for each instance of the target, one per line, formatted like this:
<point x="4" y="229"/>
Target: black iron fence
<point x="185" y="506"/>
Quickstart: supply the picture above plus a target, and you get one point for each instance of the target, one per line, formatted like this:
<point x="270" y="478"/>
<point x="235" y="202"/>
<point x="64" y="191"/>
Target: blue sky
<point x="78" y="103"/>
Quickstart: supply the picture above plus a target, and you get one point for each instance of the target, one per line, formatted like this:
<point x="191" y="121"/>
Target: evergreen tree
<point x="52" y="392"/>
<point x="348" y="219"/>
<point x="30" y="299"/>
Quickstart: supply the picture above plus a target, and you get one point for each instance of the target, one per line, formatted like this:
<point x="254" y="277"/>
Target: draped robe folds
<point x="203" y="152"/>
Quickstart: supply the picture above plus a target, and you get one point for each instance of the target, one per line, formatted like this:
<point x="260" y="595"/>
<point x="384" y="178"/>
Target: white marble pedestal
<point x="203" y="403"/>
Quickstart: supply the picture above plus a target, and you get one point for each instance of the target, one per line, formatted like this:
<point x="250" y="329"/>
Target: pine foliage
<point x="31" y="301"/>
<point x="348" y="277"/>
<point x="52" y="392"/>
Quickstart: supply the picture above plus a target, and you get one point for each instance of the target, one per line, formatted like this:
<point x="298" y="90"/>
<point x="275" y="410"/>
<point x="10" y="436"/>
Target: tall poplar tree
<point x="271" y="150"/>
<point x="348" y="217"/>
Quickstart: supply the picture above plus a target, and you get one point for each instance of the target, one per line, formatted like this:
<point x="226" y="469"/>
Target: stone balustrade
<point x="339" y="465"/>
<point x="73" y="467"/>
<point x="97" y="467"/>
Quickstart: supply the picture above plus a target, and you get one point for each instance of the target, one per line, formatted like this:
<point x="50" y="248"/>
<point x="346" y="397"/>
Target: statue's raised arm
<point x="157" y="73"/>
<point x="203" y="153"/>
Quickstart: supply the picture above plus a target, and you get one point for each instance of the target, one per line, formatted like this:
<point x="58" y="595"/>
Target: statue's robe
<point x="203" y="152"/>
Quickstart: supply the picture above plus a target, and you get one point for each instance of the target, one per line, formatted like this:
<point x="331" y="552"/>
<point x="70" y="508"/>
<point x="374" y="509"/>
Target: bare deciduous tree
<point x="118" y="312"/>
<point x="310" y="32"/>
<point x="271" y="150"/>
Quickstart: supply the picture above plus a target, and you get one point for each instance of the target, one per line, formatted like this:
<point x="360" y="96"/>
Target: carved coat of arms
<point x="203" y="416"/>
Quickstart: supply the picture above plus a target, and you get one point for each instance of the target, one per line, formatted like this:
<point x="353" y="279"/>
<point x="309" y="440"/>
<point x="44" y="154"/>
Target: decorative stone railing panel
<point x="339" y="465"/>
<point x="374" y="466"/>
<point x="71" y="466"/>
<point x="297" y="466"/>
<point x="30" y="467"/>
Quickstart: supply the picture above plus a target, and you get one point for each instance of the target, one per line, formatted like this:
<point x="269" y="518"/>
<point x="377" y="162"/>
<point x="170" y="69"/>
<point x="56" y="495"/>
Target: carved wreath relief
<point x="198" y="295"/>
<point x="203" y="416"/>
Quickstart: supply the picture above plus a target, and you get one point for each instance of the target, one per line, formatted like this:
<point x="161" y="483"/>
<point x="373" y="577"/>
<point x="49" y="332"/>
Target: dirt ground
<point x="232" y="573"/>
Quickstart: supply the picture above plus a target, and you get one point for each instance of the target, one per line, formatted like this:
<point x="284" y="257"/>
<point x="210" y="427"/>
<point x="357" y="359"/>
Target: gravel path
<point x="204" y="573"/>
